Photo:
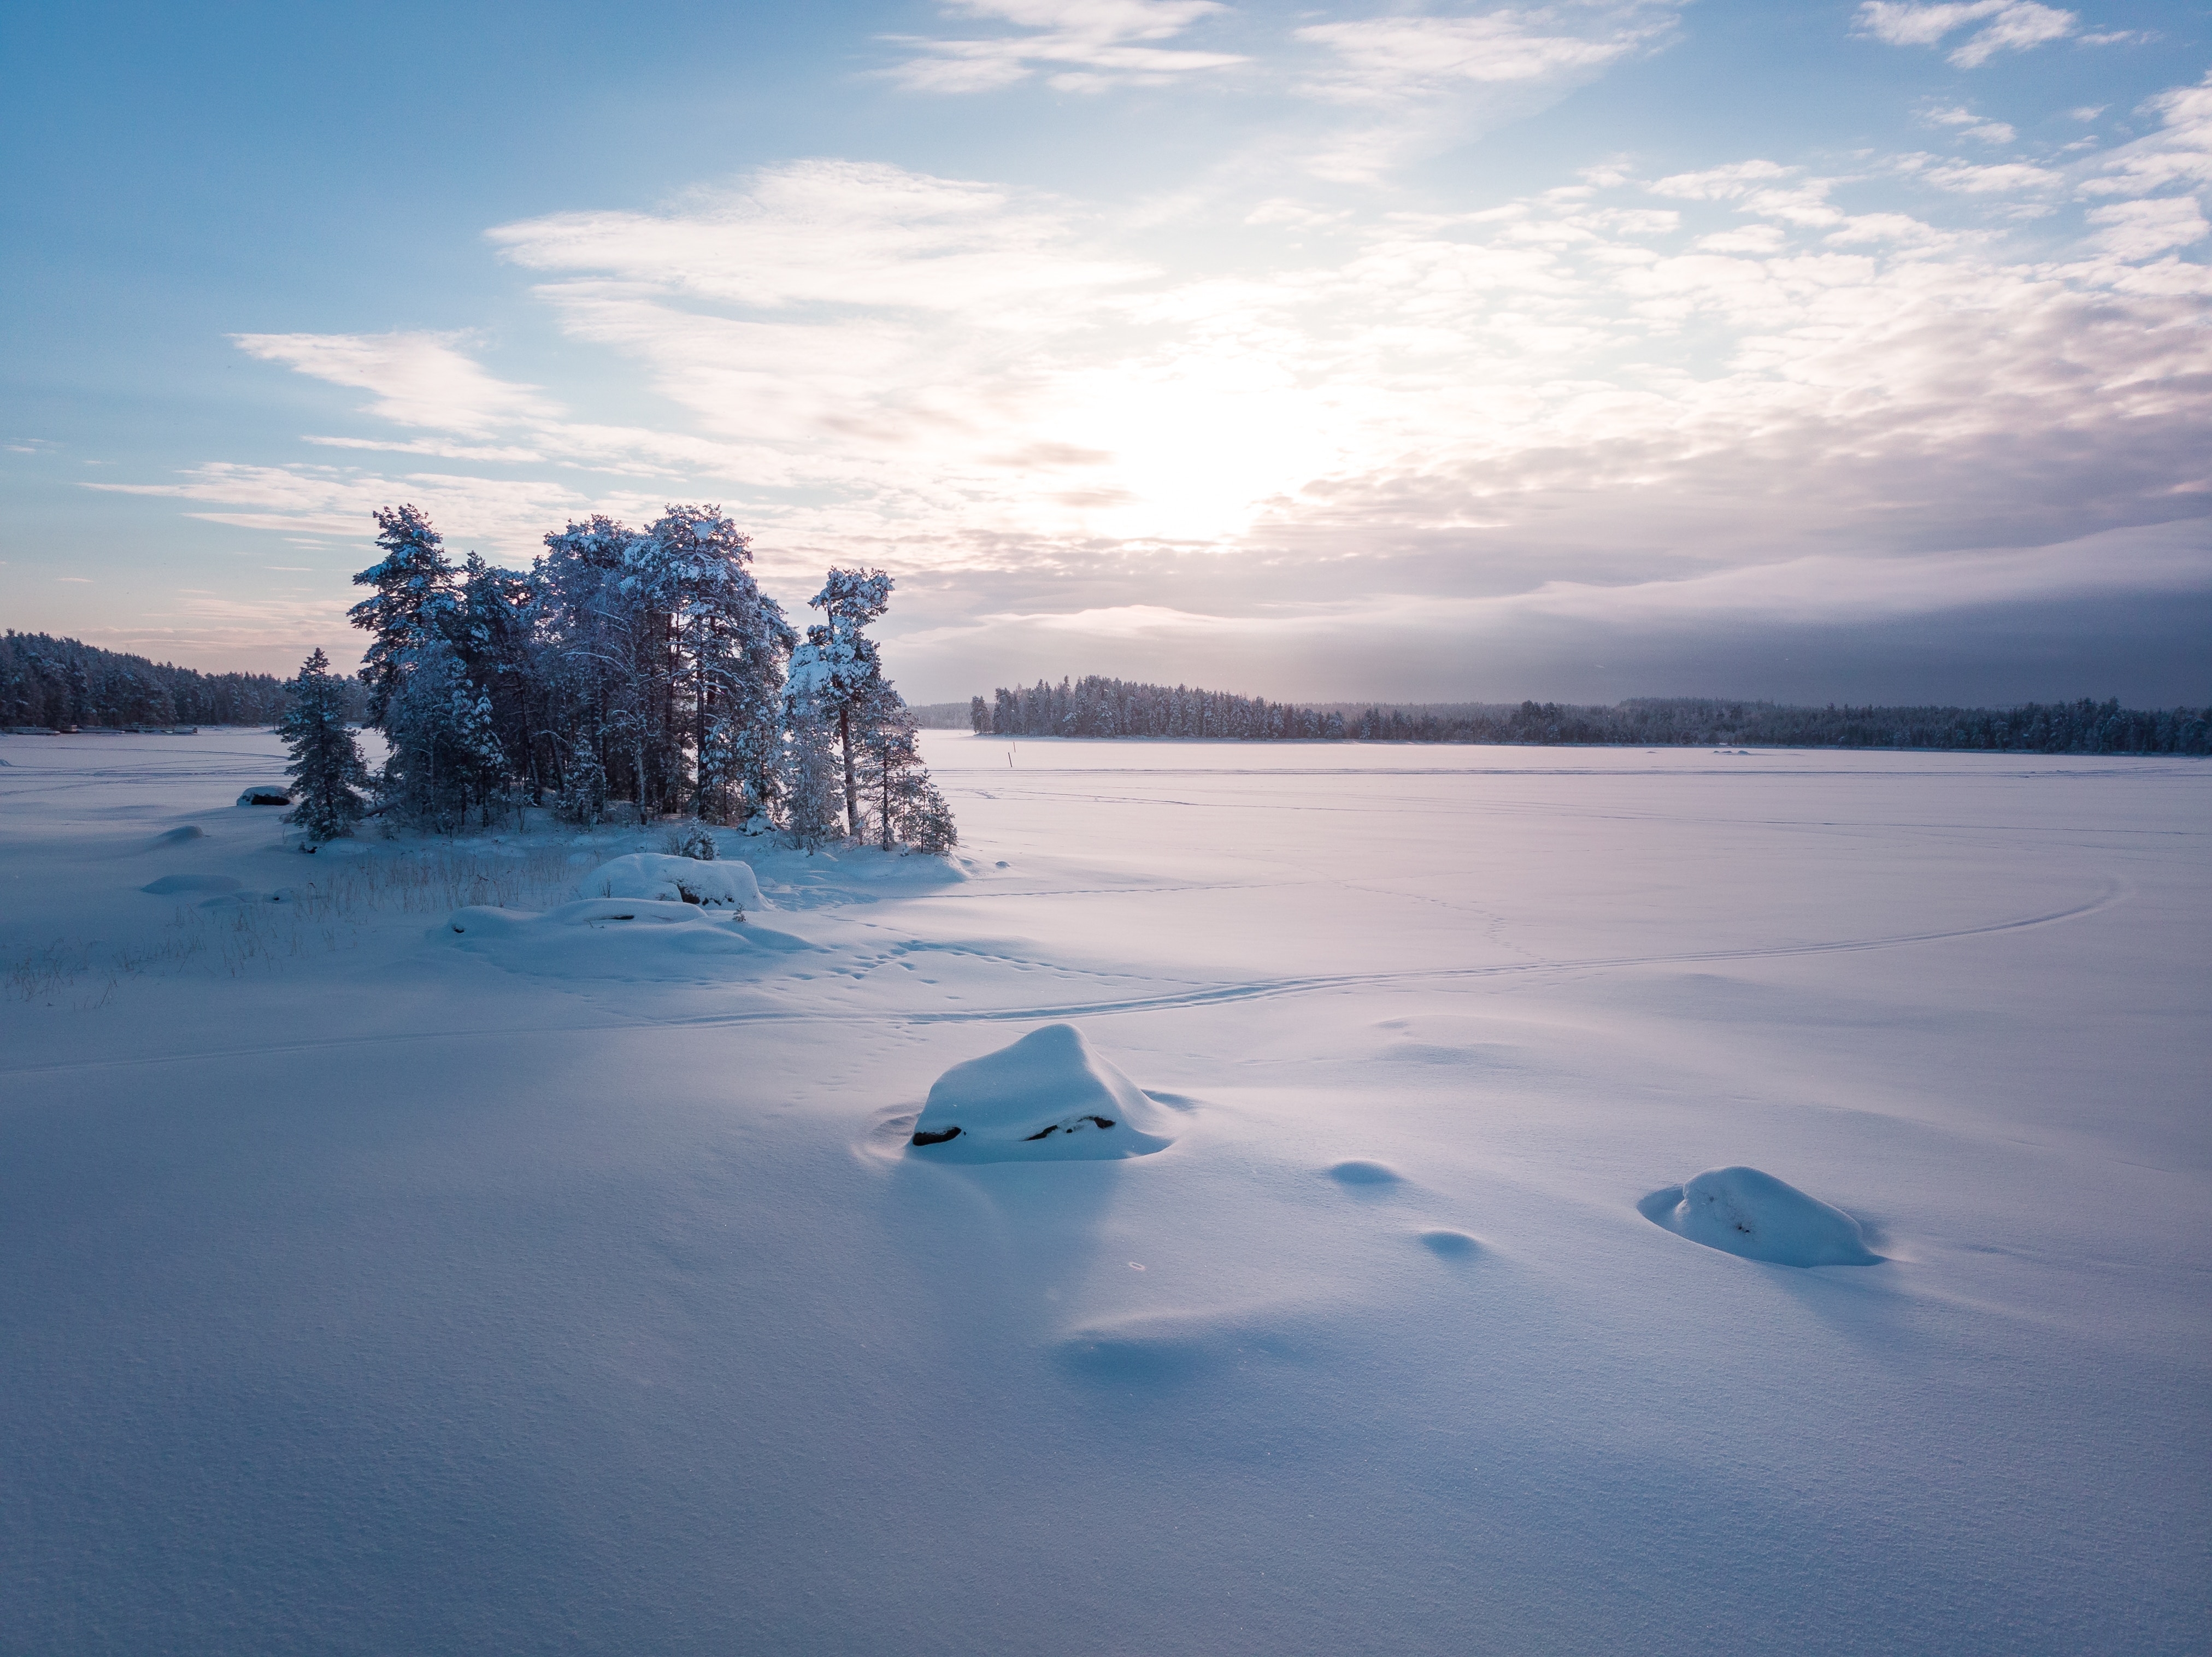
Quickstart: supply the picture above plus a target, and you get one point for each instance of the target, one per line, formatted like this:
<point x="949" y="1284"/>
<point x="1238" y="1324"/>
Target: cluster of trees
<point x="1117" y="707"/>
<point x="51" y="682"/>
<point x="631" y="671"/>
<point x="2083" y="727"/>
<point x="1099" y="707"/>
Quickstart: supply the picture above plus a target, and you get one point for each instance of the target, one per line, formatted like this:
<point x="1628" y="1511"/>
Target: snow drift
<point x="652" y="874"/>
<point x="634" y="938"/>
<point x="1744" y="1211"/>
<point x="1048" y="1098"/>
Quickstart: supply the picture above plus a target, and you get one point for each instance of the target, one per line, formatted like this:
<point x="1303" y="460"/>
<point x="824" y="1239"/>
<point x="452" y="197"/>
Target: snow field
<point x="403" y="1293"/>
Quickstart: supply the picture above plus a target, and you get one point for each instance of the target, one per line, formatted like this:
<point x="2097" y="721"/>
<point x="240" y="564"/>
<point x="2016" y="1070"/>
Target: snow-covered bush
<point x="650" y="876"/>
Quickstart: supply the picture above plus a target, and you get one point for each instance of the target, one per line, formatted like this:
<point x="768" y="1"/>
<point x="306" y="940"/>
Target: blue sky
<point x="1816" y="352"/>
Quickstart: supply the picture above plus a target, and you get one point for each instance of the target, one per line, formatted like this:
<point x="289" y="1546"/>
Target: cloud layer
<point x="1773" y="389"/>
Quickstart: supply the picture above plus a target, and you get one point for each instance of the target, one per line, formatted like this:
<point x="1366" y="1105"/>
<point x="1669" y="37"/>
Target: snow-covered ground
<point x="573" y="1284"/>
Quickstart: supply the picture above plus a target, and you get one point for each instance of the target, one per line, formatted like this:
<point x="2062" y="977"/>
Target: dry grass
<point x="337" y="900"/>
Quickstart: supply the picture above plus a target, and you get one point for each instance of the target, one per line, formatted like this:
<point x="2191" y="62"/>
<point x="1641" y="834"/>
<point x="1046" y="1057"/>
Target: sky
<point x="1814" y="352"/>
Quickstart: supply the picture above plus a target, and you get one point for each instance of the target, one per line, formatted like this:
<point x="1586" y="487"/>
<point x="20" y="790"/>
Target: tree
<point x="326" y="768"/>
<point x="979" y="715"/>
<point x="413" y="581"/>
<point x="840" y="664"/>
<point x="909" y="809"/>
<point x="583" y="798"/>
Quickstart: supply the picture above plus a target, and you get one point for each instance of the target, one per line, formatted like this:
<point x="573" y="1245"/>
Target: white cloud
<point x="1717" y="371"/>
<point x="2139" y="230"/>
<point x="1995" y="179"/>
<point x="1384" y="60"/>
<point x="2009" y="25"/>
<point x="1079" y="46"/>
<point x="419" y="378"/>
<point x="2179" y="154"/>
<point x="504" y="515"/>
<point x="1970" y="125"/>
<point x="1418" y="84"/>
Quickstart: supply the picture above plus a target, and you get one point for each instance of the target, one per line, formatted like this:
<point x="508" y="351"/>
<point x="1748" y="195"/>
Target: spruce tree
<point x="841" y="663"/>
<point x="326" y="770"/>
<point x="413" y="581"/>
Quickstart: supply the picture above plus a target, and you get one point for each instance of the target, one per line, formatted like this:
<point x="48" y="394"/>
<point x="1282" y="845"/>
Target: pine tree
<point x="326" y="770"/>
<point x="843" y="668"/>
<point x="907" y="808"/>
<point x="584" y="788"/>
<point x="413" y="582"/>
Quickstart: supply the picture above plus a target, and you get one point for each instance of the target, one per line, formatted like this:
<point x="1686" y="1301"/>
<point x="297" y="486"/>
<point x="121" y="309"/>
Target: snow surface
<point x="370" y="1287"/>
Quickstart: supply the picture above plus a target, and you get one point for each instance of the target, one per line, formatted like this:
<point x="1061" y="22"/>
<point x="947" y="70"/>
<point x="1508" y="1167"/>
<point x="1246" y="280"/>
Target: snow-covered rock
<point x="266" y="795"/>
<point x="723" y="884"/>
<point x="1048" y="1098"/>
<point x="1744" y="1211"/>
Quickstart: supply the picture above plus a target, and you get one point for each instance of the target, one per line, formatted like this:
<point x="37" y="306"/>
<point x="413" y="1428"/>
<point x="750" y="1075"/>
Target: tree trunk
<point x="852" y="787"/>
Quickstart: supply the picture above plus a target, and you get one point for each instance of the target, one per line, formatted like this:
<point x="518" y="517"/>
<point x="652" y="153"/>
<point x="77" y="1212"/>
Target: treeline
<point x="52" y="682"/>
<point x="1096" y="707"/>
<point x="1120" y="707"/>
<point x="635" y="672"/>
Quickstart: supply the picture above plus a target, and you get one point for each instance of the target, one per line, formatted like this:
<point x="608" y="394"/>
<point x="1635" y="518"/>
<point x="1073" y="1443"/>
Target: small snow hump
<point x="1361" y="1172"/>
<point x="1743" y="1212"/>
<point x="169" y="885"/>
<point x="178" y="835"/>
<point x="1046" y="1099"/>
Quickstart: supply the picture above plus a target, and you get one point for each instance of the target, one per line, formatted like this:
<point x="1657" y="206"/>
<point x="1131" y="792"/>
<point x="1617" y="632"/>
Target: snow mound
<point x="176" y="837"/>
<point x="169" y="884"/>
<point x="267" y="795"/>
<point x="652" y="874"/>
<point x="1360" y="1172"/>
<point x="1744" y="1211"/>
<point x="1151" y="1351"/>
<point x="1046" y="1099"/>
<point x="1449" y="1245"/>
<point x="640" y="938"/>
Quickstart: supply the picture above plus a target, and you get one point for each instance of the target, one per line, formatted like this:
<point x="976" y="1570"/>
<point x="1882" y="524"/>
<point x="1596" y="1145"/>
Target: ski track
<point x="2115" y="892"/>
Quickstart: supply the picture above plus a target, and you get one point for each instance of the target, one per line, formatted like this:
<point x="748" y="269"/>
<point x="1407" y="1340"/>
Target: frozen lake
<point x="372" y="1287"/>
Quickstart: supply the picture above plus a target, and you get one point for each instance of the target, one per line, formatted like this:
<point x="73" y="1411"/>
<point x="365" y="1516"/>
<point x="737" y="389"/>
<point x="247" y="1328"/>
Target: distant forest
<point x="1096" y="707"/>
<point x="51" y="682"/>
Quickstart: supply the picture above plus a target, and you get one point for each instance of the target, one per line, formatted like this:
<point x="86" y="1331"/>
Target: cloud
<point x="2179" y="153"/>
<point x="1385" y="60"/>
<point x="1970" y="125"/>
<point x="1420" y="84"/>
<point x="1615" y="396"/>
<point x="1995" y="179"/>
<point x="1078" y="46"/>
<point x="509" y="516"/>
<point x="2139" y="230"/>
<point x="2009" y="25"/>
<point x="419" y="378"/>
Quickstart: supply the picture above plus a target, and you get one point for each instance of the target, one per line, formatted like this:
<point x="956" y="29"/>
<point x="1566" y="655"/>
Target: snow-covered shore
<point x="374" y="1286"/>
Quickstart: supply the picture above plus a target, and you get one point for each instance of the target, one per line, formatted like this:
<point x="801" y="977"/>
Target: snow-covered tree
<point x="906" y="805"/>
<point x="840" y="663"/>
<point x="414" y="582"/>
<point x="583" y="798"/>
<point x="326" y="770"/>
